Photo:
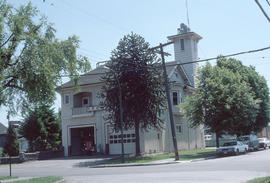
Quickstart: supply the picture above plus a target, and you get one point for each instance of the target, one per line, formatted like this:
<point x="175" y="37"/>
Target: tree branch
<point x="9" y="85"/>
<point x="17" y="60"/>
<point x="6" y="40"/>
<point x="263" y="10"/>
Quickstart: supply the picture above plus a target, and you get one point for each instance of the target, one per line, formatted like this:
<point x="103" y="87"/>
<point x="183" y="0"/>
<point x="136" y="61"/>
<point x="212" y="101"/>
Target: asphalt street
<point x="227" y="169"/>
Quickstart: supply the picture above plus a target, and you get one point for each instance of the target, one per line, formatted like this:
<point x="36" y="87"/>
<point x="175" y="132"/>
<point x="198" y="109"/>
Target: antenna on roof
<point x="187" y="13"/>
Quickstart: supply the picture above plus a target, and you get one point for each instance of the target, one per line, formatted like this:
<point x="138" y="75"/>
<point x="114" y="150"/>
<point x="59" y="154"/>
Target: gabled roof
<point x="171" y="66"/>
<point x="93" y="77"/>
<point x="3" y="129"/>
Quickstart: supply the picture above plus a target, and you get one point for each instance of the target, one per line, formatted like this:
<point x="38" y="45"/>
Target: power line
<point x="178" y="64"/>
<point x="268" y="2"/>
<point x="91" y="15"/>
<point x="261" y="8"/>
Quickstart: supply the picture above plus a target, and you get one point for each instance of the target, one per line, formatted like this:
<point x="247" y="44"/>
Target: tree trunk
<point x="217" y="139"/>
<point x="137" y="135"/>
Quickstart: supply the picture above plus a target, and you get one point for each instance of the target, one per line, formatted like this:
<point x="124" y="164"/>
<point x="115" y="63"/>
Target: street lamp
<point x="121" y="112"/>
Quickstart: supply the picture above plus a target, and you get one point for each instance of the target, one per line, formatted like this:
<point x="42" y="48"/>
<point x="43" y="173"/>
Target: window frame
<point x="182" y="44"/>
<point x="65" y="97"/>
<point x="88" y="101"/>
<point x="177" y="98"/>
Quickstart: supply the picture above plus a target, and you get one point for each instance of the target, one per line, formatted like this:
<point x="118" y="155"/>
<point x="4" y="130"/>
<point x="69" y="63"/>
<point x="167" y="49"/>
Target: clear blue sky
<point x="227" y="26"/>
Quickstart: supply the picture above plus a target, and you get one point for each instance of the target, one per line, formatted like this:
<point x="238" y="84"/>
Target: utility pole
<point x="169" y="102"/>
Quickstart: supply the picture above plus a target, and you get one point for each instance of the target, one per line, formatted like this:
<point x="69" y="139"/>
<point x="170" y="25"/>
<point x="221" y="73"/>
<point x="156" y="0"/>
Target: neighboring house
<point x="3" y="135"/>
<point x="23" y="143"/>
<point x="83" y="125"/>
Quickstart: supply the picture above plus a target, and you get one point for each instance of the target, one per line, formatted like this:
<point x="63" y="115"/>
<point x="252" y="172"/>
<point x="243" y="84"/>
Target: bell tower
<point x="186" y="50"/>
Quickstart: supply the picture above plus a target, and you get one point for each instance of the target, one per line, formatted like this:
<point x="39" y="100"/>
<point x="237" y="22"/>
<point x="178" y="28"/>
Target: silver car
<point x="232" y="148"/>
<point x="264" y="142"/>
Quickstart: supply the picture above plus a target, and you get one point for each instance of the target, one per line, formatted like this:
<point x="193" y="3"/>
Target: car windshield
<point x="243" y="138"/>
<point x="261" y="139"/>
<point x="229" y="144"/>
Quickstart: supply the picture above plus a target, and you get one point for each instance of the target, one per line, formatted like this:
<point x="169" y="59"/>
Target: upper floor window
<point x="85" y="101"/>
<point x="178" y="128"/>
<point x="182" y="44"/>
<point x="175" y="98"/>
<point x="67" y="99"/>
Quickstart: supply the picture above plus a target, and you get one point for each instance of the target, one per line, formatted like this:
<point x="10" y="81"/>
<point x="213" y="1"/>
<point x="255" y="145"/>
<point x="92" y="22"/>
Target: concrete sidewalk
<point x="158" y="162"/>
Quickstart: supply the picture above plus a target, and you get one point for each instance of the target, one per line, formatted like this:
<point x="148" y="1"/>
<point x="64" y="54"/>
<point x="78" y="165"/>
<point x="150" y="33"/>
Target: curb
<point x="130" y="165"/>
<point x="60" y="181"/>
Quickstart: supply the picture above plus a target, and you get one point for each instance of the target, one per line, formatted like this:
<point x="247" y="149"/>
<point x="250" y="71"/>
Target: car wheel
<point x="265" y="146"/>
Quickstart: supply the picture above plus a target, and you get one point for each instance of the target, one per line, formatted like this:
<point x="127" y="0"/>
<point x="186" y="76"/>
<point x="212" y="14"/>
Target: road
<point x="228" y="169"/>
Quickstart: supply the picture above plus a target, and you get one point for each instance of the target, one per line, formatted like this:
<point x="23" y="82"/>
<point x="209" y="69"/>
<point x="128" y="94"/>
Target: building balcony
<point x="85" y="111"/>
<point x="177" y="111"/>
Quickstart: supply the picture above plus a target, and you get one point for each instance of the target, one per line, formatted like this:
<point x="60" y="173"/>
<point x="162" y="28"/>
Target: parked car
<point x="264" y="142"/>
<point x="232" y="148"/>
<point x="250" y="140"/>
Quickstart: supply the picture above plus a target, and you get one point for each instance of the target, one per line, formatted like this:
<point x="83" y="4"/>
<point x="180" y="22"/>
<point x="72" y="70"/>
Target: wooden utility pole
<point x="169" y="102"/>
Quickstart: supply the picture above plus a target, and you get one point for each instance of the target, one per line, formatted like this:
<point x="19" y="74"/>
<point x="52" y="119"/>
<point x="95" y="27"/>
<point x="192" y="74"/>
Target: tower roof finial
<point x="183" y="29"/>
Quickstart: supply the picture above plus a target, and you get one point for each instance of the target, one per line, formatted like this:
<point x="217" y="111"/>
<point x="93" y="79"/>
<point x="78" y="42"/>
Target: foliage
<point x="231" y="98"/>
<point x="11" y="147"/>
<point x="260" y="180"/>
<point x="42" y="129"/>
<point x="1" y="151"/>
<point x="135" y="66"/>
<point x="32" y="59"/>
<point x="258" y="86"/>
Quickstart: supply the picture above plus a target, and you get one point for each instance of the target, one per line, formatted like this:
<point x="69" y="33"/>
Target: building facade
<point x="84" y="129"/>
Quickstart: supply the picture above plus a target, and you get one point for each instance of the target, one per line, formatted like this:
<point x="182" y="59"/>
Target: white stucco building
<point x="83" y="126"/>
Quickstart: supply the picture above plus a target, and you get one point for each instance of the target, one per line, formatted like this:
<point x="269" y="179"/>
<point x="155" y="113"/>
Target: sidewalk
<point x="158" y="162"/>
<point x="15" y="179"/>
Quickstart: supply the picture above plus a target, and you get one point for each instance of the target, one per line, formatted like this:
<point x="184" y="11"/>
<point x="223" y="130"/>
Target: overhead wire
<point x="185" y="63"/>
<point x="93" y="16"/>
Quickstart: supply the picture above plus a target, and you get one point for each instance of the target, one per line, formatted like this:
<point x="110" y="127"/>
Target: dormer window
<point x="182" y="44"/>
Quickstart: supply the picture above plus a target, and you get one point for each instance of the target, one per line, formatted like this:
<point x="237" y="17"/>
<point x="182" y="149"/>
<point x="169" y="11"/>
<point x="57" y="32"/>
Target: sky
<point x="227" y="26"/>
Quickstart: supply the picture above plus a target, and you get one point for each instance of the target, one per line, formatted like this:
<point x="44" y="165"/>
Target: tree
<point x="32" y="59"/>
<point x="12" y="144"/>
<point x="227" y="99"/>
<point x="42" y="129"/>
<point x="135" y="66"/>
<point x="258" y="86"/>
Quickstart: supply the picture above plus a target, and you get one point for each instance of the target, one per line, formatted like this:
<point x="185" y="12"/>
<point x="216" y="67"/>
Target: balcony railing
<point x="85" y="110"/>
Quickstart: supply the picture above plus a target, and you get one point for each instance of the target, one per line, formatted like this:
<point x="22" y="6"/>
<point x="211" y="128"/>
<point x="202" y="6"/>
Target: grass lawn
<point x="260" y="180"/>
<point x="1" y="151"/>
<point x="40" y="180"/>
<point x="184" y="155"/>
<point x="8" y="177"/>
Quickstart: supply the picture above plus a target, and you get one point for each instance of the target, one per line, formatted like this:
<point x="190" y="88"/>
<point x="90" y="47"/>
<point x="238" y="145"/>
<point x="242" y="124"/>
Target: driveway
<point x="232" y="169"/>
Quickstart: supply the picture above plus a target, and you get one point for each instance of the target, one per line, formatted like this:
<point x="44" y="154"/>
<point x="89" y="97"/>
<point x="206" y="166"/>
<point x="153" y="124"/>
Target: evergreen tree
<point x="11" y="147"/>
<point x="42" y="129"/>
<point x="135" y="66"/>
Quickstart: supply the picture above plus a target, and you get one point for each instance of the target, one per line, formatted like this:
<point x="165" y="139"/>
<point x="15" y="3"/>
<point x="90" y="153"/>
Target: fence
<point x="23" y="157"/>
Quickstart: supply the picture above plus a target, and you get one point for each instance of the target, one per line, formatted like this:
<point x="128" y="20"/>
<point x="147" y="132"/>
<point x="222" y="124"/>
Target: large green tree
<point x="11" y="147"/>
<point x="230" y="99"/>
<point x="135" y="66"/>
<point x="32" y="59"/>
<point x="42" y="129"/>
